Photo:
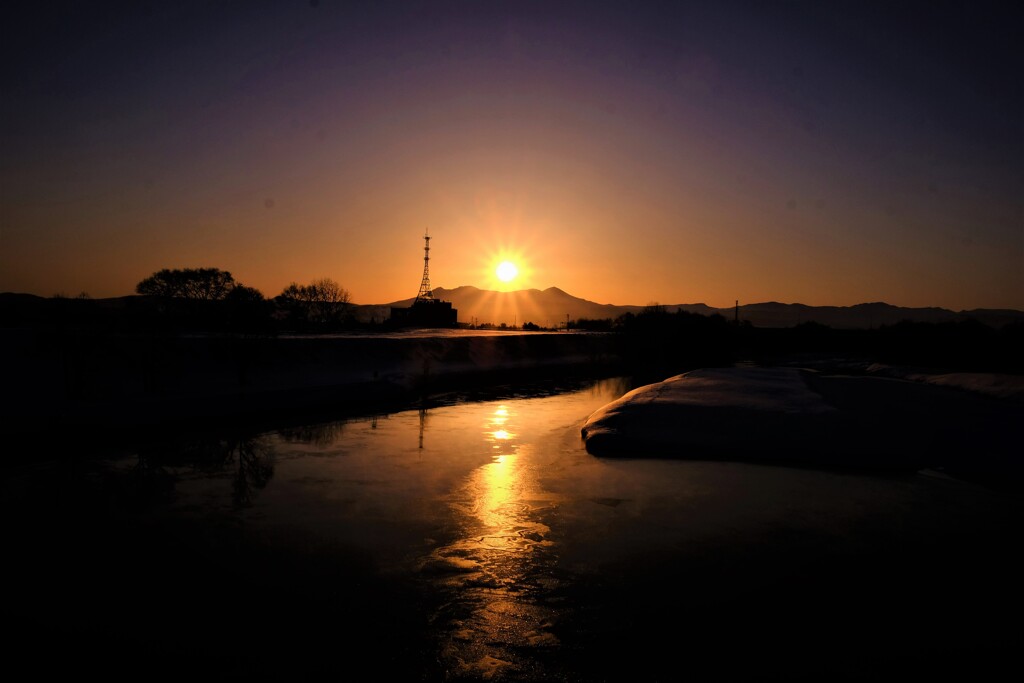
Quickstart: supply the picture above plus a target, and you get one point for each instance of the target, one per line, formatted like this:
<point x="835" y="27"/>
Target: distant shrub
<point x="600" y="325"/>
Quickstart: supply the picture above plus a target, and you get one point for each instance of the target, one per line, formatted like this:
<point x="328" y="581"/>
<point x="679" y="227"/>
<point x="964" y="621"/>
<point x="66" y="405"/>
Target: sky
<point x="826" y="153"/>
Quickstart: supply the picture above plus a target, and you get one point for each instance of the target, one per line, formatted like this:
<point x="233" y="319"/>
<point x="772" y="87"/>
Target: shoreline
<point x="109" y="382"/>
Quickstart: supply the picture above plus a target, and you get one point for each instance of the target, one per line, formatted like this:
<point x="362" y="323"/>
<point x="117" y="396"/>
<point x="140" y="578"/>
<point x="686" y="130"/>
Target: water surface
<point x="479" y="541"/>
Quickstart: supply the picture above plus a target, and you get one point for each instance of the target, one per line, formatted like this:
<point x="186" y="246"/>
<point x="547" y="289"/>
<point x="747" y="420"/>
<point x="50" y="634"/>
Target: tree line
<point x="657" y="342"/>
<point x="319" y="305"/>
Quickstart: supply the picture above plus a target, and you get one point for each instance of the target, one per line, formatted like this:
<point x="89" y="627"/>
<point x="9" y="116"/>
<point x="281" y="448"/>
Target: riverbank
<point x="70" y="381"/>
<point x="796" y="416"/>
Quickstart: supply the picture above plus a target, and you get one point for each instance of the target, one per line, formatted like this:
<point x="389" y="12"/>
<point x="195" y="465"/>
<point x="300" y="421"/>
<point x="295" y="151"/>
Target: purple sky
<point x="824" y="152"/>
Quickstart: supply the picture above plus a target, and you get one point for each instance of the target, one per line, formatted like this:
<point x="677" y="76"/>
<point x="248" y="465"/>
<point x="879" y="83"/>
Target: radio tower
<point x="425" y="293"/>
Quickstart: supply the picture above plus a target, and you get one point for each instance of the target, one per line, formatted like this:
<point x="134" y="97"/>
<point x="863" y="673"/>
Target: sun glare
<point x="506" y="271"/>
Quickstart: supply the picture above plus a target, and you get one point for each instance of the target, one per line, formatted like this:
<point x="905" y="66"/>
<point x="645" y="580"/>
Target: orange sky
<point x="605" y="154"/>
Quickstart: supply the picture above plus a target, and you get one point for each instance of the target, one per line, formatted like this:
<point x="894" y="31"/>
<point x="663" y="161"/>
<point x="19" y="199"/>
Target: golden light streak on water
<point x="492" y="565"/>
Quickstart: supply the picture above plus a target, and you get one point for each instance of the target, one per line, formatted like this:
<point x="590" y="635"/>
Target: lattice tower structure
<point x="425" y="293"/>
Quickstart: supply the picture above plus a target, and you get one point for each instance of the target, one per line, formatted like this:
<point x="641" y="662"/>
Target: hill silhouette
<point x="547" y="308"/>
<point x="550" y="308"/>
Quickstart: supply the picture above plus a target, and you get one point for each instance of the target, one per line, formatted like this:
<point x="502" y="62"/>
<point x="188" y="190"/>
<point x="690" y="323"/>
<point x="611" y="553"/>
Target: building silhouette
<point x="425" y="311"/>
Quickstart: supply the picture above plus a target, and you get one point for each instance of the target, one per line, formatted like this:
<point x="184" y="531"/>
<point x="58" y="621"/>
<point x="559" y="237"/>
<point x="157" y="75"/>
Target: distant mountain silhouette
<point x="549" y="308"/>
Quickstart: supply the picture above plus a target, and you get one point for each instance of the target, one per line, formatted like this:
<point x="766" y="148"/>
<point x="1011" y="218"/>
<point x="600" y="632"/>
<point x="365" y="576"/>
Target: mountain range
<point x="552" y="307"/>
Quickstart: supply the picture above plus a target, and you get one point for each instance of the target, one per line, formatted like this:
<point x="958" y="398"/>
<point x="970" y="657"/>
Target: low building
<point x="425" y="313"/>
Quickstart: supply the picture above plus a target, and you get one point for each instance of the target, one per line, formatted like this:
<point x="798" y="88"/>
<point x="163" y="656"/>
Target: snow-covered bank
<point x="800" y="416"/>
<point x="712" y="413"/>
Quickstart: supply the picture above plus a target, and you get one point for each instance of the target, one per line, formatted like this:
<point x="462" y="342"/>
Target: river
<point x="478" y="540"/>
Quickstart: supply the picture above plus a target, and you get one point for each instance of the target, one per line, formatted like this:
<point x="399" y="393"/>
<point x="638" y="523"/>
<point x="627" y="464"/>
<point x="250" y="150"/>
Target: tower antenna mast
<point x="425" y="293"/>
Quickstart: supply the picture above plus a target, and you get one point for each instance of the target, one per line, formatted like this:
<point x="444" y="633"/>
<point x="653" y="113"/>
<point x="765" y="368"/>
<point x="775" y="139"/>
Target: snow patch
<point x="749" y="414"/>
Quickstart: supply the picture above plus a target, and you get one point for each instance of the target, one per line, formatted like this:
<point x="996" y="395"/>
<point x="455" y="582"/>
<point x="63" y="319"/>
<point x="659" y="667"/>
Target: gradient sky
<point x="822" y="152"/>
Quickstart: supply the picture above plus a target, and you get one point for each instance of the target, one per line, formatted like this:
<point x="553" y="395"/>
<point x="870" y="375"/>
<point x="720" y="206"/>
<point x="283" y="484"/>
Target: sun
<point x="506" y="271"/>
<point x="505" y="268"/>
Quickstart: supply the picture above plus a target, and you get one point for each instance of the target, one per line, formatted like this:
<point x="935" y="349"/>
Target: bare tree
<point x="321" y="302"/>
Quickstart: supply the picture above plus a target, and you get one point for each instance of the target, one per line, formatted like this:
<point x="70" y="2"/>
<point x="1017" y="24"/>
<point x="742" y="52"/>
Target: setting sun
<point x="506" y="271"/>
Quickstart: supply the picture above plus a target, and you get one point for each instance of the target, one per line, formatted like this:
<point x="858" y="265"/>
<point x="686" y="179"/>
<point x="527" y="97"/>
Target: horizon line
<point x="60" y="295"/>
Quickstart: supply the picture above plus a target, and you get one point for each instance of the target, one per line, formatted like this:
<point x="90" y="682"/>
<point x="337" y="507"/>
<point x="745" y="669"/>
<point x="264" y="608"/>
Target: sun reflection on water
<point x="498" y="419"/>
<point x="492" y="564"/>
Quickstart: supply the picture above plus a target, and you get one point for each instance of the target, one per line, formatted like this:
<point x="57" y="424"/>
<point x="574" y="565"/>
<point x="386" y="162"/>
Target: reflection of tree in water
<point x="148" y="482"/>
<point x="255" y="468"/>
<point x="249" y="456"/>
<point x="323" y="434"/>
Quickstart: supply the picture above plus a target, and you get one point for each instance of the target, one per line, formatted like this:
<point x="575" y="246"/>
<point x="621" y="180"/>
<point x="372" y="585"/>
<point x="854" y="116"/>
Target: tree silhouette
<point x="320" y="303"/>
<point x="197" y="284"/>
<point x="246" y="309"/>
